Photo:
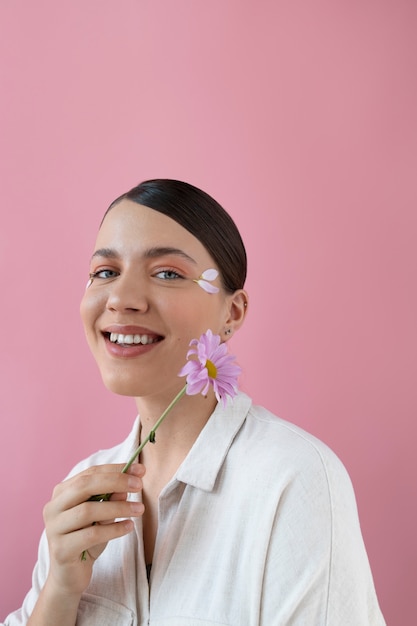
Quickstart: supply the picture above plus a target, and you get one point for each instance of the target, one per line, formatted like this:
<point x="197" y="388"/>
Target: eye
<point x="168" y="274"/>
<point x="105" y="273"/>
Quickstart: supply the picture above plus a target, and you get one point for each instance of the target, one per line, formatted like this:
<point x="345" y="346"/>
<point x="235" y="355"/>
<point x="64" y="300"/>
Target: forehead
<point x="133" y="228"/>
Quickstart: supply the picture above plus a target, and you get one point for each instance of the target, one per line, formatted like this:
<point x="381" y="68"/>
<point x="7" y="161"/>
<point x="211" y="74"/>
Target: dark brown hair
<point x="203" y="217"/>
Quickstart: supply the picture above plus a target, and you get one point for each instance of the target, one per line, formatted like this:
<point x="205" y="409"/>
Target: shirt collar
<point x="202" y="464"/>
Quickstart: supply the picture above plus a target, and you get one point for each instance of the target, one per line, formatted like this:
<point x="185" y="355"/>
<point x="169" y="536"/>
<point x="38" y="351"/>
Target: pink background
<point x="300" y="118"/>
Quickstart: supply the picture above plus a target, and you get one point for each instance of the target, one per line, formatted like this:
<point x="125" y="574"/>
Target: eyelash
<point x="94" y="275"/>
<point x="174" y="275"/>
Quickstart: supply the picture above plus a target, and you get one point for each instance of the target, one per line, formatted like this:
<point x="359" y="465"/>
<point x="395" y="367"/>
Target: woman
<point x="233" y="515"/>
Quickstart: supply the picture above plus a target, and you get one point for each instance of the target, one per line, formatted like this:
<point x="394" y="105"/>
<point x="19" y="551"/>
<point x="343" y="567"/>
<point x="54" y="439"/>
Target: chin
<point x="123" y="387"/>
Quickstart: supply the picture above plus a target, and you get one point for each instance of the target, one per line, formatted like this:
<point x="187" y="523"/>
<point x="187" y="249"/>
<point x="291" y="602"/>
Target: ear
<point x="237" y="309"/>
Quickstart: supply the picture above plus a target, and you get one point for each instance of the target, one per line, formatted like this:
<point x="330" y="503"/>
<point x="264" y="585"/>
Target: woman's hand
<point x="74" y="525"/>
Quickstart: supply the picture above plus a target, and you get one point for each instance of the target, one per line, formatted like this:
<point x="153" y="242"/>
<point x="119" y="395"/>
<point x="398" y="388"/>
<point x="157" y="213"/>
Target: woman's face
<point x="143" y="265"/>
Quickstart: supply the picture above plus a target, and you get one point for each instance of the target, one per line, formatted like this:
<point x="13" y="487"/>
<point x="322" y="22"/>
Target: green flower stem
<point x="104" y="497"/>
<point x="157" y="424"/>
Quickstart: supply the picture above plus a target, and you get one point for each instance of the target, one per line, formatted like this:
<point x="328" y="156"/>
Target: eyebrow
<point x="151" y="253"/>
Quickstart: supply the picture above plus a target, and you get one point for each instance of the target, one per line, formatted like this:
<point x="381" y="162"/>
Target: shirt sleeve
<point x="40" y="572"/>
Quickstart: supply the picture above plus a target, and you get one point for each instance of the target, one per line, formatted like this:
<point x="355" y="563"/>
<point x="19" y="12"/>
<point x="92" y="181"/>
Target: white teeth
<point x="131" y="339"/>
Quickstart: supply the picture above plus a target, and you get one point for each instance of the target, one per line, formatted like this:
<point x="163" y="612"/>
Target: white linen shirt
<point x="258" y="527"/>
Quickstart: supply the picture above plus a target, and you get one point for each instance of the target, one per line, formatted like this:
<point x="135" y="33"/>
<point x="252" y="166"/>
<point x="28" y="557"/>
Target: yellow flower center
<point x="211" y="369"/>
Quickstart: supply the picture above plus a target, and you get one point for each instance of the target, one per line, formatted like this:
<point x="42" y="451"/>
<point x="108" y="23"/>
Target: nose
<point x="127" y="293"/>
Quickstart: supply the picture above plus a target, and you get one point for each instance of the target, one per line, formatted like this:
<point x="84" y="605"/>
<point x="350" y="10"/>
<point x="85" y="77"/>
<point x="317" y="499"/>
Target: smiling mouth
<point x="132" y="340"/>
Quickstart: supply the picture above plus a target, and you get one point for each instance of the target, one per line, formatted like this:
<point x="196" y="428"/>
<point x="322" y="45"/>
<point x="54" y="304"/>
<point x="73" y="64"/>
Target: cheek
<point x="90" y="306"/>
<point x="195" y="317"/>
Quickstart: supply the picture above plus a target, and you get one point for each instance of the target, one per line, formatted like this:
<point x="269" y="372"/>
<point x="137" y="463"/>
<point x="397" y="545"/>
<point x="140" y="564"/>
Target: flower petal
<point x="207" y="275"/>
<point x="207" y="287"/>
<point x="224" y="381"/>
<point x="210" y="274"/>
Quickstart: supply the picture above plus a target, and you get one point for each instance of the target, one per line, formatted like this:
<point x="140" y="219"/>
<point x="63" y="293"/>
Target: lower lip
<point x="128" y="352"/>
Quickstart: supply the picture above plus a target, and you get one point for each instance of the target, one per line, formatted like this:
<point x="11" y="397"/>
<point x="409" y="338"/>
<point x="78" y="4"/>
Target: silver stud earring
<point x="228" y="331"/>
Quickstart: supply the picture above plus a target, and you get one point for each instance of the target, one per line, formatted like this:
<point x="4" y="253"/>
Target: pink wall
<point x="298" y="116"/>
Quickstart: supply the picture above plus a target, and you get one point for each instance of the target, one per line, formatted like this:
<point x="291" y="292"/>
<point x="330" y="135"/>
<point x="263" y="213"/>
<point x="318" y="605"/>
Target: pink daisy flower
<point x="211" y="365"/>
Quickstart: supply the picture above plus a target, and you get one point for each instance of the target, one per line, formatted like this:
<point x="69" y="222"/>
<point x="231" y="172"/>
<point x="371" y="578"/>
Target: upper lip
<point x="128" y="329"/>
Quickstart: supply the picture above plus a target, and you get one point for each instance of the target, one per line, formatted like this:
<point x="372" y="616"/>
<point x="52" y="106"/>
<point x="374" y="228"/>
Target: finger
<point x="98" y="536"/>
<point x="118" y="496"/>
<point x="136" y="469"/>
<point x="83" y="486"/>
<point x="89" y="513"/>
<point x="92" y="539"/>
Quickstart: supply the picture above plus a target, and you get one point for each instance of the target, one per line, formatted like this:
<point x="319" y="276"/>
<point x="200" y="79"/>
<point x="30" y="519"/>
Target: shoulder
<point x="297" y="473"/>
<point x="280" y="448"/>
<point x="284" y="436"/>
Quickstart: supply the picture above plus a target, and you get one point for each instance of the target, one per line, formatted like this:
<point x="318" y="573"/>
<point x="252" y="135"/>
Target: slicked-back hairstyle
<point x="203" y="217"/>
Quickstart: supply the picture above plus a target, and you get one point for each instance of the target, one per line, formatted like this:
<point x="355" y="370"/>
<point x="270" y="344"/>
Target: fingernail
<point x="137" y="507"/>
<point x="134" y="482"/>
<point x="136" y="469"/>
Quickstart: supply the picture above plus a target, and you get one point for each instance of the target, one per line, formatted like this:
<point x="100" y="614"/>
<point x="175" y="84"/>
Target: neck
<point x="179" y="430"/>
